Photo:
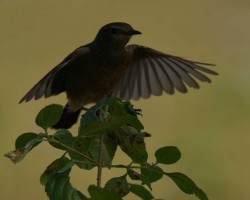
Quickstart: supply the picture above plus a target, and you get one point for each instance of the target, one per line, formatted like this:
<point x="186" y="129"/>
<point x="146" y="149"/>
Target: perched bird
<point x="109" y="67"/>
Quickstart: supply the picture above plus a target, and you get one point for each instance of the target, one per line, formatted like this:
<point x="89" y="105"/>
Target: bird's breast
<point x="95" y="76"/>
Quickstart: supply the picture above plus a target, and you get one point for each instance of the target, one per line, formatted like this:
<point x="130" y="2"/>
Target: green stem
<point x="100" y="166"/>
<point x="126" y="166"/>
<point x="71" y="149"/>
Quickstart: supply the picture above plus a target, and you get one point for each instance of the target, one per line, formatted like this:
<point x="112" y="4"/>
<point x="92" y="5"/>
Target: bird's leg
<point x="138" y="111"/>
<point x="133" y="111"/>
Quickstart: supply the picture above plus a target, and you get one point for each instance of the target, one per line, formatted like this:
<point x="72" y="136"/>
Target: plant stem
<point x="71" y="149"/>
<point x="127" y="166"/>
<point x="99" y="172"/>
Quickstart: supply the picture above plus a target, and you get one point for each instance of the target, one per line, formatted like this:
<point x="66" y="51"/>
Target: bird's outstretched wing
<point x="54" y="81"/>
<point x="152" y="72"/>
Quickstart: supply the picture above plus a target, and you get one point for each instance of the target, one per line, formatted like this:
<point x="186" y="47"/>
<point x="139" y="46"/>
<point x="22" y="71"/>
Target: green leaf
<point x="187" y="185"/>
<point x="61" y="139"/>
<point x="132" y="143"/>
<point x="58" y="187"/>
<point x="152" y="173"/>
<point x="25" y="143"/>
<point x="124" y="112"/>
<point x="56" y="181"/>
<point x="107" y="115"/>
<point x="141" y="192"/>
<point x="114" y="122"/>
<point x="49" y="116"/>
<point x="93" y="113"/>
<point x="25" y="138"/>
<point x="108" y="150"/>
<point x="97" y="193"/>
<point x="167" y="155"/>
<point x="90" y="147"/>
<point x="119" y="185"/>
<point x="133" y="174"/>
<point x="57" y="166"/>
<point x="83" y="147"/>
<point x="137" y="176"/>
<point x="94" y="128"/>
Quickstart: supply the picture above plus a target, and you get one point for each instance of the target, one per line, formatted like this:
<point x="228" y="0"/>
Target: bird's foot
<point x="138" y="111"/>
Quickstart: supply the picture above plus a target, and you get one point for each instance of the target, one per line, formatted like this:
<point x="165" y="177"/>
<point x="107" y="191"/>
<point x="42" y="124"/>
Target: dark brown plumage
<point x="107" y="66"/>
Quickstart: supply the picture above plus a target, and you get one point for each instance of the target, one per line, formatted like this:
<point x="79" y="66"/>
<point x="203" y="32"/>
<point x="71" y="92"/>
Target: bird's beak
<point x="133" y="32"/>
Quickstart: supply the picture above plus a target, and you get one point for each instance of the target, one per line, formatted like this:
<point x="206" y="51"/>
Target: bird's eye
<point x="114" y="31"/>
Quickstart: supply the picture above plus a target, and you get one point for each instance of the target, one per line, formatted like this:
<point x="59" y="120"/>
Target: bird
<point x="109" y="66"/>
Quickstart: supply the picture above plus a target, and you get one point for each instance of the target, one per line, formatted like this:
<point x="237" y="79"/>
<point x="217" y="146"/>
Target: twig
<point x="99" y="173"/>
<point x="127" y="166"/>
<point x="71" y="149"/>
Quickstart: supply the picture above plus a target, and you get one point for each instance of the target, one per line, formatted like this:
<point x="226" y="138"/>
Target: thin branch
<point x="71" y="149"/>
<point x="126" y="166"/>
<point x="99" y="173"/>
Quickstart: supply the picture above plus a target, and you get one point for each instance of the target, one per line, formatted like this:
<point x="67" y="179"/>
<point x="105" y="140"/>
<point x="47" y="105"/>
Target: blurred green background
<point x="210" y="126"/>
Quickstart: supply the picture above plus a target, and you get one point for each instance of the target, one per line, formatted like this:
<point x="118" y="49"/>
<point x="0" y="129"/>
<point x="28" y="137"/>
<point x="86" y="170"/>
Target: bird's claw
<point x="138" y="111"/>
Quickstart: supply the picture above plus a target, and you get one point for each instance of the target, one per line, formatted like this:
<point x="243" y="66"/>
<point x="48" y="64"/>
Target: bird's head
<point x="116" y="34"/>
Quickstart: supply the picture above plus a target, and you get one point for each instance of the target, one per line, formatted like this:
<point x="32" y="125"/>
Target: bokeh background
<point x="209" y="126"/>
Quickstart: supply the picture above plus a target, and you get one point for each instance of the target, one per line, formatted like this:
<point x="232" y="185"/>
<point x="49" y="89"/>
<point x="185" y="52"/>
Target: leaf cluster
<point x="108" y="125"/>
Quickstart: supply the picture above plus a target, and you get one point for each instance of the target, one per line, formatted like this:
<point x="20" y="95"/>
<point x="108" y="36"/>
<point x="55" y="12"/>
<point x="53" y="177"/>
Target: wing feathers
<point x="41" y="88"/>
<point x="54" y="81"/>
<point x="155" y="84"/>
<point x="190" y="68"/>
<point x="145" y="87"/>
<point x="152" y="72"/>
<point x="164" y="77"/>
<point x="183" y="74"/>
<point x="174" y="77"/>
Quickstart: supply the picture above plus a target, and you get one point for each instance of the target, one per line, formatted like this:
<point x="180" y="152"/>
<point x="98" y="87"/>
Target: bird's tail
<point x="67" y="119"/>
